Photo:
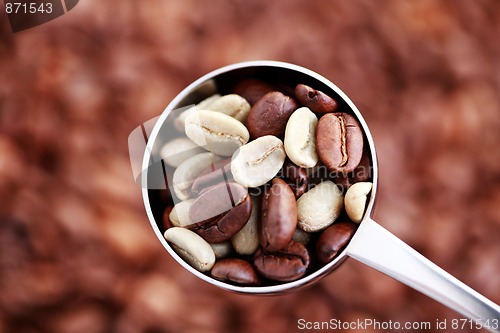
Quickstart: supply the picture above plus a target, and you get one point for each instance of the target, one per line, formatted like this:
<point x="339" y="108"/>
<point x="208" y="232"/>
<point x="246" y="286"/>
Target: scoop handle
<point x="376" y="247"/>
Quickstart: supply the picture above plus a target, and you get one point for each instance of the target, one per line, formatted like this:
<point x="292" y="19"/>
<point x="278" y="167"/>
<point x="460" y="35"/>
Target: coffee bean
<point x="315" y="100"/>
<point x="219" y="172"/>
<point x="270" y="114"/>
<point x="232" y="105"/>
<point x="216" y="132"/>
<point x="191" y="247"/>
<point x="339" y="141"/>
<point x="319" y="207"/>
<point x="221" y="250"/>
<point x="364" y="170"/>
<point x="220" y="212"/>
<point x="355" y="200"/>
<point x="362" y="173"/>
<point x="217" y="200"/>
<point x="301" y="236"/>
<point x="288" y="264"/>
<point x="188" y="171"/>
<point x="272" y="227"/>
<point x="180" y="120"/>
<point x="179" y="216"/>
<point x="258" y="161"/>
<point x="278" y="216"/>
<point x="252" y="90"/>
<point x="235" y="271"/>
<point x="296" y="177"/>
<point x="332" y="240"/>
<point x="178" y="150"/>
<point x="246" y="241"/>
<point x="300" y="138"/>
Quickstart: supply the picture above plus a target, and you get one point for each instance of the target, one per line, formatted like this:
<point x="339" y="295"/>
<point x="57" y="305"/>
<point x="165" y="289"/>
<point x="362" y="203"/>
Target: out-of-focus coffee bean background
<point x="77" y="253"/>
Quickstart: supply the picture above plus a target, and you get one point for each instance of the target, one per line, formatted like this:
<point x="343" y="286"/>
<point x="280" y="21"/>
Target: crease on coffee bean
<point x="264" y="218"/>
<point x="343" y="141"/>
<point x="184" y="253"/>
<point x="307" y="142"/>
<point x="220" y="134"/>
<point x="263" y="157"/>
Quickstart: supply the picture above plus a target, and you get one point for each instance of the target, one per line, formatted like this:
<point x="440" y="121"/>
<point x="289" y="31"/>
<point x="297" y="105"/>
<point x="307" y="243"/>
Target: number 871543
<point x="28" y="7"/>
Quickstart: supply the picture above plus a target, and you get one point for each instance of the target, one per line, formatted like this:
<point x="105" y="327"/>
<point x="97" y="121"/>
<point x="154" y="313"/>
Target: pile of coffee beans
<point x="267" y="187"/>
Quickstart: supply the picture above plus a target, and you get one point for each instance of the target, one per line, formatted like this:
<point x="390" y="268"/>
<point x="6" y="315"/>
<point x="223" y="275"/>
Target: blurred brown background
<point x="77" y="253"/>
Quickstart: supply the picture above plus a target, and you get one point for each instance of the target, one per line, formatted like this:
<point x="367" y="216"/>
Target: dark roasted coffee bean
<point x="270" y="114"/>
<point x="333" y="239"/>
<point x="315" y="100"/>
<point x="296" y="177"/>
<point x="236" y="271"/>
<point x="252" y="89"/>
<point x="339" y="141"/>
<point x="278" y="216"/>
<point x="288" y="264"/>
<point x="364" y="170"/>
<point x="219" y="172"/>
<point x="220" y="212"/>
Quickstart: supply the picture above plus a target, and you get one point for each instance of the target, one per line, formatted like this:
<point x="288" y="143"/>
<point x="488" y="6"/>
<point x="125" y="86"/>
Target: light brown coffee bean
<point x="235" y="271"/>
<point x="270" y="114"/>
<point x="178" y="150"/>
<point x="288" y="264"/>
<point x="246" y="241"/>
<point x="278" y="216"/>
<point x="216" y="132"/>
<point x="258" y="161"/>
<point x="319" y="207"/>
<point x="221" y="250"/>
<point x="339" y="141"/>
<point x="300" y="138"/>
<point x="314" y="99"/>
<point x="355" y="200"/>
<point x="191" y="247"/>
<point x="180" y="120"/>
<point x="233" y="105"/>
<point x="333" y="239"/>
<point x="179" y="215"/>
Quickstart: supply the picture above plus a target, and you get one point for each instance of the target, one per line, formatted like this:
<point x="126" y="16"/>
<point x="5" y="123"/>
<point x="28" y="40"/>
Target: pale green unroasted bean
<point x="222" y="250"/>
<point x="191" y="247"/>
<point x="188" y="171"/>
<point x="300" y="138"/>
<point x="246" y="241"/>
<point x="180" y="121"/>
<point x="319" y="207"/>
<point x="179" y="216"/>
<point x="233" y="105"/>
<point x="216" y="132"/>
<point x="258" y="161"/>
<point x="355" y="200"/>
<point x="178" y="150"/>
